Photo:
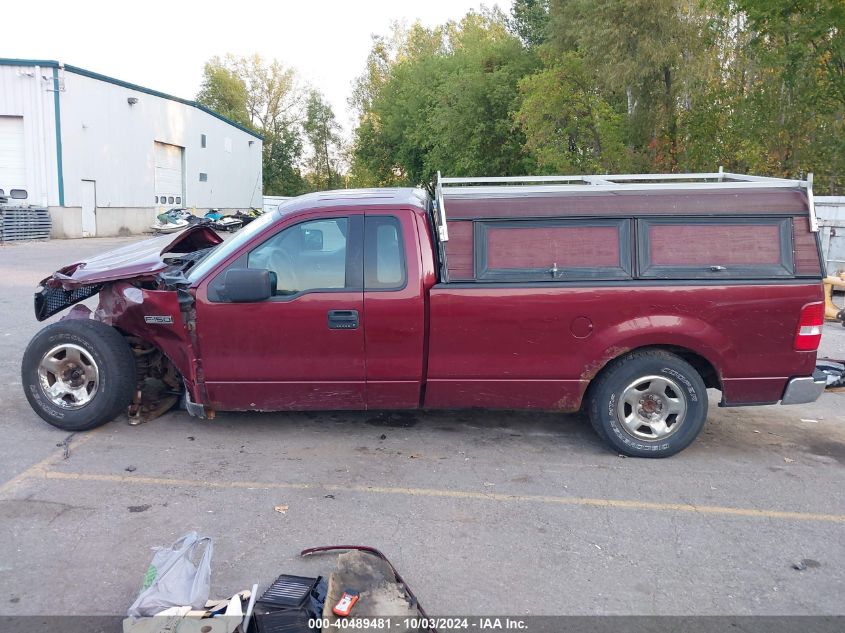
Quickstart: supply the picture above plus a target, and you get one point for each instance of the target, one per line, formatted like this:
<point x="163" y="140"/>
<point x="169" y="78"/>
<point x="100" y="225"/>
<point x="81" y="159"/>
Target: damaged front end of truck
<point x="143" y="294"/>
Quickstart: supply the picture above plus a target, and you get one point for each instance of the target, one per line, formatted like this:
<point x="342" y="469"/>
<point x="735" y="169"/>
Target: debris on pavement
<point x="344" y="606"/>
<point x="175" y="588"/>
<point x="281" y="509"/>
<point x="65" y="443"/>
<point x="805" y="563"/>
<point x="834" y="370"/>
<point x="381" y="590"/>
<point x="178" y="576"/>
<point x="289" y="603"/>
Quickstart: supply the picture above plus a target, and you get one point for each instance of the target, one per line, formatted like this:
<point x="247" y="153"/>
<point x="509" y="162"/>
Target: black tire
<point x="114" y="368"/>
<point x="606" y="398"/>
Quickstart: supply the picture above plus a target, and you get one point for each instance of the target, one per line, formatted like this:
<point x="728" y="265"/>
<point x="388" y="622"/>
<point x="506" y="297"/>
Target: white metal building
<point x="105" y="156"/>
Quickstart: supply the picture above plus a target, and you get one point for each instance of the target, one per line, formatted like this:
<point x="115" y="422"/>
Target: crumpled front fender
<point x="156" y="316"/>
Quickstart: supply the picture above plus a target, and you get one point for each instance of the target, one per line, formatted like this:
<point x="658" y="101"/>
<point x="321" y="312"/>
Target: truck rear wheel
<point x="648" y="404"/>
<point x="78" y="374"/>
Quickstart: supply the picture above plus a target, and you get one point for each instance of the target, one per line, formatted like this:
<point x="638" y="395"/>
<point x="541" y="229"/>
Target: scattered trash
<point x="383" y="436"/>
<point x="174" y="595"/>
<point x="141" y="508"/>
<point x="191" y="438"/>
<point x="834" y="371"/>
<point x="328" y="497"/>
<point x="218" y="616"/>
<point x="788" y="460"/>
<point x="289" y="603"/>
<point x="178" y="576"/>
<point x="755" y="431"/>
<point x="130" y="469"/>
<point x="66" y="444"/>
<point x="414" y="456"/>
<point x="489" y="484"/>
<point x="809" y="420"/>
<point x="288" y="591"/>
<point x="281" y="509"/>
<point x="379" y="586"/>
<point x="805" y="563"/>
<point x="344" y="606"/>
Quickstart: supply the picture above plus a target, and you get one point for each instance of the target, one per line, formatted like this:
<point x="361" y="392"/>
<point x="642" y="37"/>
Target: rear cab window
<point x="384" y="254"/>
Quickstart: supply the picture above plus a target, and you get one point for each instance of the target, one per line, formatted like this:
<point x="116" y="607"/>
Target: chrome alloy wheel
<point x="69" y="376"/>
<point x="652" y="407"/>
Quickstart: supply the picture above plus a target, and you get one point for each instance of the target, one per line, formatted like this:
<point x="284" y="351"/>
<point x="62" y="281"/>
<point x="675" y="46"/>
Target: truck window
<point x="307" y="256"/>
<point x="684" y="248"/>
<point x="384" y="267"/>
<point x="552" y="250"/>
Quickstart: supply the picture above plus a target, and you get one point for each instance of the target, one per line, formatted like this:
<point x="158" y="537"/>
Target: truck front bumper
<point x="805" y="389"/>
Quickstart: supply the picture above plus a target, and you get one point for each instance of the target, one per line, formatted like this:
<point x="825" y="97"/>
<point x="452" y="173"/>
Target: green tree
<point x="224" y="91"/>
<point x="604" y="85"/>
<point x="323" y="134"/>
<point x="266" y="97"/>
<point x="530" y="21"/>
<point x="789" y="103"/>
<point x="441" y="99"/>
<point x="641" y="55"/>
<point x="568" y="126"/>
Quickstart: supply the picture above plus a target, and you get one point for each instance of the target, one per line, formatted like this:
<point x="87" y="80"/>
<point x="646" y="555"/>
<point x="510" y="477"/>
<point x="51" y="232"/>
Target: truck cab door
<point x="303" y="348"/>
<point x="395" y="306"/>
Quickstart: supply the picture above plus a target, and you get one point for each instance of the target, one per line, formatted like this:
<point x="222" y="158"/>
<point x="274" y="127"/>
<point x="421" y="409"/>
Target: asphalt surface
<point x="482" y="512"/>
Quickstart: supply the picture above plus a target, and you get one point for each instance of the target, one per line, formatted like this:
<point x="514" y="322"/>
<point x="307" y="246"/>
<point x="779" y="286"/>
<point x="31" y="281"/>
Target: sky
<point x="164" y="45"/>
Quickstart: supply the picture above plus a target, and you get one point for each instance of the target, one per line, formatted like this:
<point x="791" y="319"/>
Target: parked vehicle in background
<point x="628" y="296"/>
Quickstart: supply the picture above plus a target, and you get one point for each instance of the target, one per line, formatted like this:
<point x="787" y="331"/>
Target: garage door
<point x="168" y="174"/>
<point x="12" y="157"/>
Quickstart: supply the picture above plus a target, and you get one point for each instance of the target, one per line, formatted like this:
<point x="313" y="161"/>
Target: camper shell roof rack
<point x="513" y="186"/>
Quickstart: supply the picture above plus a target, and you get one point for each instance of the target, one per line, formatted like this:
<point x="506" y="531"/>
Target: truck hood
<point x="137" y="260"/>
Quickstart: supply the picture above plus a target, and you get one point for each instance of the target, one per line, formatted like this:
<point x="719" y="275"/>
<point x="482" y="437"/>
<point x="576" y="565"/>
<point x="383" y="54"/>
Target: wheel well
<point x="158" y="382"/>
<point x="703" y="366"/>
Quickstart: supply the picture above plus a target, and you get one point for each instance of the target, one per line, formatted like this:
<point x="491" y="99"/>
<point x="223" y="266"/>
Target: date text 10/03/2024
<point x="422" y="624"/>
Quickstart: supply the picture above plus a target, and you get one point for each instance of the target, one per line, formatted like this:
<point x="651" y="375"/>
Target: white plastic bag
<point x="179" y="575"/>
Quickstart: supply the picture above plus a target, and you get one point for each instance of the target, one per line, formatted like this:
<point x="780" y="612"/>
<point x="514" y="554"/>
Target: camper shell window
<point x="552" y="250"/>
<point x="708" y="248"/>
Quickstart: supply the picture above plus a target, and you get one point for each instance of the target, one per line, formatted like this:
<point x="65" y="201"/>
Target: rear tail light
<point x="809" y="332"/>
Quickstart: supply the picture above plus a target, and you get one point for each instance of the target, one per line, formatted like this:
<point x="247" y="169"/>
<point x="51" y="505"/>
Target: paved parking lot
<point x="482" y="513"/>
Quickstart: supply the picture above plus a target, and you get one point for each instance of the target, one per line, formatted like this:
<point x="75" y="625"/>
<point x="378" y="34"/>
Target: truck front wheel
<point x="648" y="404"/>
<point x="78" y="374"/>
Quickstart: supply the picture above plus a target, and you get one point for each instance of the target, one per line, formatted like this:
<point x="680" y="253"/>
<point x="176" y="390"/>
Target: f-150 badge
<point x="155" y="319"/>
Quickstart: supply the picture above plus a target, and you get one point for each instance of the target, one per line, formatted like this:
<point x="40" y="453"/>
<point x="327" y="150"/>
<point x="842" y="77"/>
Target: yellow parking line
<point x="447" y="494"/>
<point x="40" y="467"/>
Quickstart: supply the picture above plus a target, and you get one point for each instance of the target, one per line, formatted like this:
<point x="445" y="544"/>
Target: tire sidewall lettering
<point x="693" y="395"/>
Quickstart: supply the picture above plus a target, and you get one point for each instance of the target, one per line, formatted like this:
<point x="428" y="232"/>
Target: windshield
<point x="220" y="253"/>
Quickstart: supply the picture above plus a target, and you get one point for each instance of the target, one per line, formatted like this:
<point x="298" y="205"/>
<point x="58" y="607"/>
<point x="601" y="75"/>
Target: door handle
<point x="343" y="319"/>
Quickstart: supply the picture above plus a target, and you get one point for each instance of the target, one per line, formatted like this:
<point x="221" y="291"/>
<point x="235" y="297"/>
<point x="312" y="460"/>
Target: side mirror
<point x="312" y="240"/>
<point x="243" y="285"/>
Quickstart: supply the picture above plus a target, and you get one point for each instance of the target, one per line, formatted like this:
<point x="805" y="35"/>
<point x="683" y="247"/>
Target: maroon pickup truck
<point x="625" y="296"/>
